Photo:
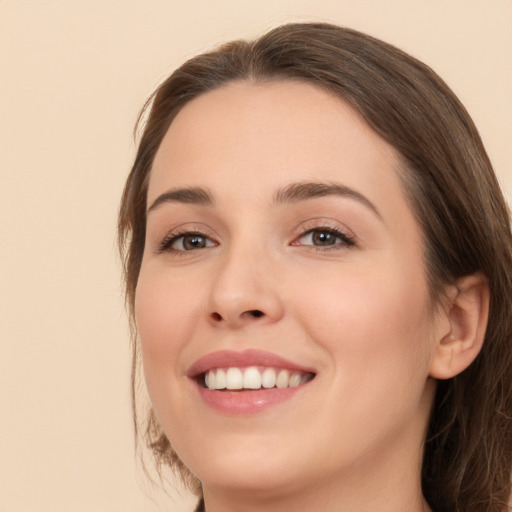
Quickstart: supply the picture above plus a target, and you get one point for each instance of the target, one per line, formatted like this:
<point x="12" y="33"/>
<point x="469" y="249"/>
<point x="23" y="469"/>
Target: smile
<point x="254" y="377"/>
<point x="247" y="382"/>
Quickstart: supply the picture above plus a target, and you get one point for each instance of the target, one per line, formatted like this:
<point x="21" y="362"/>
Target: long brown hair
<point x="452" y="189"/>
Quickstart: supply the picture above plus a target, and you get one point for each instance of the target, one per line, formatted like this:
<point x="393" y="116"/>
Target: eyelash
<point x="346" y="240"/>
<point x="171" y="238"/>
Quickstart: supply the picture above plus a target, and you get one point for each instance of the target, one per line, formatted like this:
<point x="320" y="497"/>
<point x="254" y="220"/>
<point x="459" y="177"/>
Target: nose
<point x="244" y="291"/>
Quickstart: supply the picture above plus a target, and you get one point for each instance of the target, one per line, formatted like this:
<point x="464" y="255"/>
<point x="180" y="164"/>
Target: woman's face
<point x="279" y="240"/>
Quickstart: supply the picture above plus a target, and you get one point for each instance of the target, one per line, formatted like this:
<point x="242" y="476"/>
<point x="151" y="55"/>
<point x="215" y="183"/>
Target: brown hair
<point x="452" y="190"/>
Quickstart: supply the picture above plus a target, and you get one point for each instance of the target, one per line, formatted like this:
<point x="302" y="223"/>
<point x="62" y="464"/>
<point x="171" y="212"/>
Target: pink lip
<point x="250" y="357"/>
<point x="247" y="401"/>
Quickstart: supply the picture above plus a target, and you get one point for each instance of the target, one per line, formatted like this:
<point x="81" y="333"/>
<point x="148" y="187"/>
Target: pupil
<point x="194" y="242"/>
<point x="323" y="238"/>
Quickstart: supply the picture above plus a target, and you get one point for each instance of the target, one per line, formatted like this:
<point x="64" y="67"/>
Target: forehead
<point x="269" y="134"/>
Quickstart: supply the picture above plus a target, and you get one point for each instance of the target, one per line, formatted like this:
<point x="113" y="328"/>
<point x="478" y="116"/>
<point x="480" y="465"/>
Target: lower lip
<point x="246" y="401"/>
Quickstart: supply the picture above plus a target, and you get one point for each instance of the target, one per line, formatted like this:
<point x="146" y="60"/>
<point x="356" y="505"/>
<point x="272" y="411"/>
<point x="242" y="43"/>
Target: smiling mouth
<point x="253" y="378"/>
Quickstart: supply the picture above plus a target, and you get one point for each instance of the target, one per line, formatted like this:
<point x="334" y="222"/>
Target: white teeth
<point x="268" y="378"/>
<point x="295" y="380"/>
<point x="283" y="379"/>
<point x="220" y="379"/>
<point x="211" y="379"/>
<point x="253" y="377"/>
<point x="234" y="378"/>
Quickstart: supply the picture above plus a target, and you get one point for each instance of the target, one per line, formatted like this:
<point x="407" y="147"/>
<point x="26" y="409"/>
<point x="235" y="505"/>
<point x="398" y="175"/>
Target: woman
<point x="318" y="266"/>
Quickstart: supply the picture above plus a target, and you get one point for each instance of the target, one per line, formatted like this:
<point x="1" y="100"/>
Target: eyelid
<point x="164" y="243"/>
<point x="348" y="237"/>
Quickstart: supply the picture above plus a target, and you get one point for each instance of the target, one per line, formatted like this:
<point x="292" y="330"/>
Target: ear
<point x="467" y="312"/>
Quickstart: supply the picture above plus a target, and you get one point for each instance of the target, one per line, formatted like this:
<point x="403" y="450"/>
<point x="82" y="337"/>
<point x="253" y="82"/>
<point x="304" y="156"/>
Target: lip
<point x="243" y="359"/>
<point x="246" y="401"/>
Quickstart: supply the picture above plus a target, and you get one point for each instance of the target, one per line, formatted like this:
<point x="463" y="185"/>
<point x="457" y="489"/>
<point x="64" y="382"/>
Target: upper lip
<point x="249" y="357"/>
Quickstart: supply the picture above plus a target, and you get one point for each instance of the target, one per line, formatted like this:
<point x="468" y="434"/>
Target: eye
<point x="325" y="237"/>
<point x="182" y="242"/>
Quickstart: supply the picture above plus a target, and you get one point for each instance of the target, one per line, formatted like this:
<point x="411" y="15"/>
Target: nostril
<point x="252" y="313"/>
<point x="216" y="317"/>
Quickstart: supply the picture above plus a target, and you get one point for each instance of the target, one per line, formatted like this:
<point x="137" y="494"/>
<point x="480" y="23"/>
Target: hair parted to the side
<point x="452" y="189"/>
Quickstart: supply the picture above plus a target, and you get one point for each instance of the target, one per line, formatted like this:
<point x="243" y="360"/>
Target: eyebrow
<point x="293" y="193"/>
<point x="187" y="195"/>
<point x="303" y="191"/>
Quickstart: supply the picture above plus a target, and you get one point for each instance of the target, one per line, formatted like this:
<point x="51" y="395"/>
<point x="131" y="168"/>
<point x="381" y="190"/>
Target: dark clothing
<point x="200" y="506"/>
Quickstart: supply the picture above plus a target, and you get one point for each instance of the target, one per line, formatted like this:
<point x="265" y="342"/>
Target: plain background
<point x="73" y="77"/>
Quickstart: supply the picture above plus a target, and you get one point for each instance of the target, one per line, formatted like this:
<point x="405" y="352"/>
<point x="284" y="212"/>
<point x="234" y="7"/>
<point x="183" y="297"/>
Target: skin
<point x="359" y="314"/>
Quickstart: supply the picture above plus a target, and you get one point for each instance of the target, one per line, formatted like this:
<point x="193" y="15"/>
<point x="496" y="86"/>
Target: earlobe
<point x="467" y="313"/>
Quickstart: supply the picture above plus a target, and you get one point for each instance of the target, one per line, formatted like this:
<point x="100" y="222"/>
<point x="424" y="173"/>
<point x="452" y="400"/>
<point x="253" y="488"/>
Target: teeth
<point x="234" y="378"/>
<point x="253" y="377"/>
<point x="295" y="380"/>
<point x="210" y="379"/>
<point x="268" y="378"/>
<point x="283" y="379"/>
<point x="220" y="379"/>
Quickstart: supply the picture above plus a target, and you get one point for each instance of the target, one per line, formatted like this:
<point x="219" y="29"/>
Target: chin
<point x="246" y="468"/>
<point x="264" y="481"/>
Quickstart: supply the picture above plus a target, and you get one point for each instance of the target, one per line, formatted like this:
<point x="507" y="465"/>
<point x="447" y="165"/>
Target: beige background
<point x="73" y="76"/>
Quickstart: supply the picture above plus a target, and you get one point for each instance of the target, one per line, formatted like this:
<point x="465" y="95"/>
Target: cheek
<point x="166" y="314"/>
<point x="165" y="311"/>
<point x="376" y="332"/>
<point x="374" y="325"/>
